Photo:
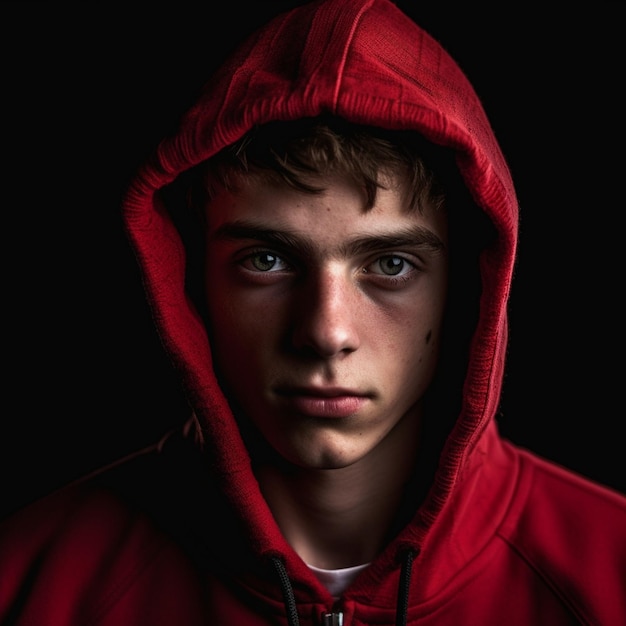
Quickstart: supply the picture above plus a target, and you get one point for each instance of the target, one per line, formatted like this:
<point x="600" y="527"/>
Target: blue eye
<point x="265" y="262"/>
<point x="391" y="265"/>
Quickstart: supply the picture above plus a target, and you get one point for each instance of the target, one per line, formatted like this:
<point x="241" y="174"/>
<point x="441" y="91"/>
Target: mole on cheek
<point x="429" y="336"/>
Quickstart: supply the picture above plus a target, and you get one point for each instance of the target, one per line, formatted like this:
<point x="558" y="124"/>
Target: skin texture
<point x="325" y="328"/>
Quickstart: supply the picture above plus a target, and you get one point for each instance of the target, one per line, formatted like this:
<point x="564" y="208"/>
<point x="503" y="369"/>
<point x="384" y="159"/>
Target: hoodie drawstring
<point x="287" y="590"/>
<point x="402" y="606"/>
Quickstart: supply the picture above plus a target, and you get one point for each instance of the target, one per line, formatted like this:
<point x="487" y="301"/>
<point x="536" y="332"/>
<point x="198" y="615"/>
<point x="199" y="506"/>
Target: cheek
<point x="241" y="326"/>
<point x="234" y="344"/>
<point x="416" y="340"/>
<point x="417" y="349"/>
<point x="232" y="325"/>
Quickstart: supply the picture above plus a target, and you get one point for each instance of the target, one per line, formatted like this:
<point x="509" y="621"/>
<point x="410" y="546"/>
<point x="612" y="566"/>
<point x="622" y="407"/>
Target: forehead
<point x="327" y="218"/>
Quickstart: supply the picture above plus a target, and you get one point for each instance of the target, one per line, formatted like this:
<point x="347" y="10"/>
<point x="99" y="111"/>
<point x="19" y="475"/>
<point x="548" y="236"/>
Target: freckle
<point x="429" y="336"/>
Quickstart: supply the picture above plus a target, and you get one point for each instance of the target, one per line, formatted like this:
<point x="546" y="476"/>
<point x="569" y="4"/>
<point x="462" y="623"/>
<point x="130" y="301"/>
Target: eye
<point x="390" y="265"/>
<point x="264" y="261"/>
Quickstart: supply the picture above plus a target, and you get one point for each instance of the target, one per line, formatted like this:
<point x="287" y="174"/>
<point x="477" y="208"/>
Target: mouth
<point x="327" y="402"/>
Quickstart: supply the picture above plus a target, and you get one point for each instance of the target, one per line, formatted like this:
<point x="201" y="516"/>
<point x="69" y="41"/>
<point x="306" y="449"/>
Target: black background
<point x="89" y="89"/>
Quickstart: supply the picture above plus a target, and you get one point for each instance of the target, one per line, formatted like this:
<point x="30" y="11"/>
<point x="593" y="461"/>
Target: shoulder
<point x="558" y="499"/>
<point x="101" y="539"/>
<point x="97" y="508"/>
<point x="137" y="487"/>
<point x="572" y="532"/>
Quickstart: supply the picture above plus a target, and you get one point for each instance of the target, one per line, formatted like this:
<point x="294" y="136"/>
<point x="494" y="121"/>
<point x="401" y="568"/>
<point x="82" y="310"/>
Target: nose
<point x="327" y="315"/>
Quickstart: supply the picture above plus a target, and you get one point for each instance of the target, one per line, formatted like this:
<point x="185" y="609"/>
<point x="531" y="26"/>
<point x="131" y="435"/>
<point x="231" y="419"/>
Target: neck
<point x="336" y="518"/>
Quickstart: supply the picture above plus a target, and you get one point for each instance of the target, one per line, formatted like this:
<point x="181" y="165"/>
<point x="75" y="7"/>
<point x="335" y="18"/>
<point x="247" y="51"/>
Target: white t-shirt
<point x="337" y="580"/>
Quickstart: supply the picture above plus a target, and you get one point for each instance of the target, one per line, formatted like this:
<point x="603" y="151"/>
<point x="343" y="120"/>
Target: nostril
<point x="325" y="341"/>
<point x="325" y="332"/>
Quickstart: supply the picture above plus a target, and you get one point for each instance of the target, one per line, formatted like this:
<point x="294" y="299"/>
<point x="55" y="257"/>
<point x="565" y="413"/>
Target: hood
<point x="339" y="57"/>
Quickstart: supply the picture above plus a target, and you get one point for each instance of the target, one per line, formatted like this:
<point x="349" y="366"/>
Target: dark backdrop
<point x="89" y="89"/>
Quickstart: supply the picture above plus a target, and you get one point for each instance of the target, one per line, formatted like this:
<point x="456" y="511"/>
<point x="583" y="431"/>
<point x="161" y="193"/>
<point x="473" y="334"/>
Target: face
<point x="325" y="319"/>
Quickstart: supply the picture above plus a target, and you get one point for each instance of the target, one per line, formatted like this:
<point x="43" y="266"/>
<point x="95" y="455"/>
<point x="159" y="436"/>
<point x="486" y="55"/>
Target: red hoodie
<point x="180" y="534"/>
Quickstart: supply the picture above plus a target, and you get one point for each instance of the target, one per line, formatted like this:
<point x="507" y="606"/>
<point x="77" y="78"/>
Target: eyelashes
<point x="391" y="268"/>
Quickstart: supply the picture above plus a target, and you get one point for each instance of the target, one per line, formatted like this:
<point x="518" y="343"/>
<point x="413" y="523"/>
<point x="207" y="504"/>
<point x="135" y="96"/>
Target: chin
<point x="321" y="457"/>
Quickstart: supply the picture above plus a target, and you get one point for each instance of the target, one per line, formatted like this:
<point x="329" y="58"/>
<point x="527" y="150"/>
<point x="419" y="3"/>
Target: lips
<point x="325" y="401"/>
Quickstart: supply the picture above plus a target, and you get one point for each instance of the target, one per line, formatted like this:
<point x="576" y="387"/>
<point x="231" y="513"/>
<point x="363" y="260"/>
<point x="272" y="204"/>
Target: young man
<point x="327" y="243"/>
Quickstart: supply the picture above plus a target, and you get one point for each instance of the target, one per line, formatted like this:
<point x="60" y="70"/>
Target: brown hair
<point x="302" y="154"/>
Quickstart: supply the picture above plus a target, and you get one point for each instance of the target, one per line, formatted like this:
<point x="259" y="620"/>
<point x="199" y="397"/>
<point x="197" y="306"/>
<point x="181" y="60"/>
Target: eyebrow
<point x="413" y="236"/>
